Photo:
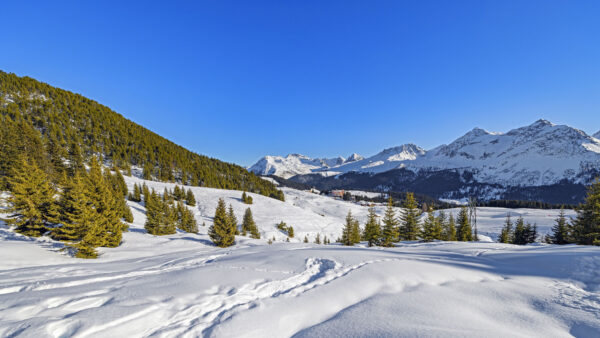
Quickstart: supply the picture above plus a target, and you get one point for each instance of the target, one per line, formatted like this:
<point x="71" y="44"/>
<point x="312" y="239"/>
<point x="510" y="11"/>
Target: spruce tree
<point x="137" y="194"/>
<point x="190" y="199"/>
<point x="450" y="229"/>
<point x="249" y="226"/>
<point x="463" y="229"/>
<point x="348" y="230"/>
<point x="560" y="230"/>
<point x="372" y="230"/>
<point x="186" y="221"/>
<point x="318" y="239"/>
<point x="507" y="232"/>
<point x="409" y="219"/>
<point x="32" y="205"/>
<point x="586" y="226"/>
<point x="221" y="231"/>
<point x="232" y="219"/>
<point x="305" y="239"/>
<point x="432" y="229"/>
<point x="389" y="233"/>
<point x="78" y="217"/>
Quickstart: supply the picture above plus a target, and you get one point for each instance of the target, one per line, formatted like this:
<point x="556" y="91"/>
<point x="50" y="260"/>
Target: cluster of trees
<point x="585" y="228"/>
<point x="51" y="125"/>
<point x="86" y="210"/>
<point x="407" y="226"/>
<point x="225" y="225"/>
<point x="515" y="204"/>
<point x="288" y="229"/>
<point x="519" y="233"/>
<point x="246" y="198"/>
<point x="165" y="214"/>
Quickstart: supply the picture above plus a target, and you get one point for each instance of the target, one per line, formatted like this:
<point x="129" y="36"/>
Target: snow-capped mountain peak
<point x="354" y="157"/>
<point x="597" y="135"/>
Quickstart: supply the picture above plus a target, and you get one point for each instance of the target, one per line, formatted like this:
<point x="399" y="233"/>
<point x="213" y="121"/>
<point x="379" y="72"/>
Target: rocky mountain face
<point x="542" y="161"/>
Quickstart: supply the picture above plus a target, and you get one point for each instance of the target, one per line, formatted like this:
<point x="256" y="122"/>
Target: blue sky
<point x="240" y="79"/>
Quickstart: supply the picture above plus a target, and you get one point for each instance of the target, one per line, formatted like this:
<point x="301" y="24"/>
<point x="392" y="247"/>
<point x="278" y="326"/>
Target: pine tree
<point x="355" y="234"/>
<point x="137" y="194"/>
<point x="186" y="221"/>
<point x="232" y="219"/>
<point x="318" y="239"/>
<point x="372" y="228"/>
<point x="348" y="230"/>
<point x="560" y="230"/>
<point x="586" y="226"/>
<point x="389" y="233"/>
<point x="432" y="229"/>
<point x="506" y="233"/>
<point x="32" y="205"/>
<point x="248" y="225"/>
<point x="78" y="217"/>
<point x="450" y="229"/>
<point x="221" y="231"/>
<point x="305" y="239"/>
<point x="409" y="219"/>
<point x="190" y="199"/>
<point x="463" y="229"/>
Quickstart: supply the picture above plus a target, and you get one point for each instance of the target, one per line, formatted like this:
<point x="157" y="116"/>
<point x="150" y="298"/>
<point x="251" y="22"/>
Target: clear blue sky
<point x="240" y="79"/>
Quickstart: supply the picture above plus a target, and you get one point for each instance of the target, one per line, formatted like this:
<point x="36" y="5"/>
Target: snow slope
<point x="311" y="214"/>
<point x="181" y="286"/>
<point x="597" y="135"/>
<point x="294" y="164"/>
<point x="539" y="154"/>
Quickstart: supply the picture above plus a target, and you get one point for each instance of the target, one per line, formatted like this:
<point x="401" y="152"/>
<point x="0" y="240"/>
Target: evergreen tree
<point x="450" y="229"/>
<point x="221" y="231"/>
<point x="248" y="225"/>
<point x="305" y="239"/>
<point x="409" y="219"/>
<point x="145" y="192"/>
<point x="463" y="229"/>
<point x="232" y="219"/>
<point x="136" y="196"/>
<point x="32" y="205"/>
<point x="347" y="233"/>
<point x="389" y="233"/>
<point x="78" y="217"/>
<point x="190" y="199"/>
<point x="506" y="234"/>
<point x="524" y="233"/>
<point x="372" y="228"/>
<point x="560" y="230"/>
<point x="318" y="239"/>
<point x="432" y="229"/>
<point x="586" y="226"/>
<point x="186" y="221"/>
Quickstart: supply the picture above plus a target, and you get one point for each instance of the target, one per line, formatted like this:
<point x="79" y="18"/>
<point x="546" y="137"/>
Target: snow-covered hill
<point x="539" y="154"/>
<point x="597" y="135"/>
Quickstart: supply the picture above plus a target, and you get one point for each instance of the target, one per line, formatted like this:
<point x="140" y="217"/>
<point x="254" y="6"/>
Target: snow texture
<point x="181" y="285"/>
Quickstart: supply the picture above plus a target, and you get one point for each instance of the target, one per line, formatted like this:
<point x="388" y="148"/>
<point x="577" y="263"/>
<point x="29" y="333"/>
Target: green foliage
<point x="449" y="232"/>
<point x="222" y="231"/>
<point x="305" y="239"/>
<point x="246" y="198"/>
<point x="409" y="219"/>
<point x="318" y="239"/>
<point x="432" y="229"/>
<point x="524" y="233"/>
<point x="32" y="205"/>
<point x="586" y="227"/>
<point x="249" y="226"/>
<point x="389" y="233"/>
<point x="372" y="230"/>
<point x="351" y="232"/>
<point x="560" y="231"/>
<point x="506" y="234"/>
<point x="50" y="124"/>
<point x="185" y="219"/>
<point x="289" y="230"/>
<point x="463" y="228"/>
<point x="190" y="199"/>
<point x="161" y="217"/>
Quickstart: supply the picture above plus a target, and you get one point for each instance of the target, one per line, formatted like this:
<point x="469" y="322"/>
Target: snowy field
<point x="181" y="285"/>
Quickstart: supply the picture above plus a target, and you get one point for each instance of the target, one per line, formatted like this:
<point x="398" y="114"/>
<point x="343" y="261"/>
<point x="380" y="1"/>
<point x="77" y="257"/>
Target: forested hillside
<point x="61" y="130"/>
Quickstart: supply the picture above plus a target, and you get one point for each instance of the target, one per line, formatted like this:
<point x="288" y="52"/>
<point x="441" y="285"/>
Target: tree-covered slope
<point x="61" y="129"/>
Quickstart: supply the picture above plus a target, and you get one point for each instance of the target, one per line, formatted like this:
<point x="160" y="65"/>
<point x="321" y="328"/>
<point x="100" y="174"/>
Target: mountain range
<point x="541" y="161"/>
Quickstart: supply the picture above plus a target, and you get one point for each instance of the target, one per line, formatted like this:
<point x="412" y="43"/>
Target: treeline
<point x="585" y="228"/>
<point x="86" y="211"/>
<point x="407" y="226"/>
<point x="61" y="130"/>
<point x="515" y="204"/>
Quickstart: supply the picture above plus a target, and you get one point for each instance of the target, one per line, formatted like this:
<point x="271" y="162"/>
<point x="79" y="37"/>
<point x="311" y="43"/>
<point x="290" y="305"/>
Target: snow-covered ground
<point x="181" y="285"/>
